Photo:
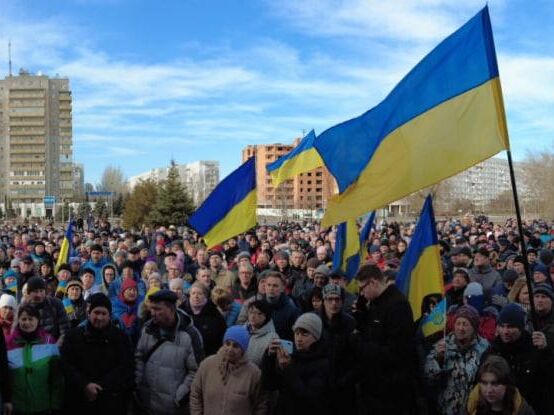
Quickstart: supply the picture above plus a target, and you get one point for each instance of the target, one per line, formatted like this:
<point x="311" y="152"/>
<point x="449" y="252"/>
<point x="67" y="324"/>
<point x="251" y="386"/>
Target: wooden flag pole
<point x="522" y="242"/>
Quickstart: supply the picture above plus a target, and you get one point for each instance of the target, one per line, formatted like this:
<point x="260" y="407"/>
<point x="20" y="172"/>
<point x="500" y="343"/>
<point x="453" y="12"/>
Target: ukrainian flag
<point x="445" y="116"/>
<point x="231" y="207"/>
<point x="68" y="306"/>
<point x="347" y="249"/>
<point x="364" y="235"/>
<point x="420" y="271"/>
<point x="435" y="321"/>
<point x="65" y="249"/>
<point x="349" y="246"/>
<point x="304" y="157"/>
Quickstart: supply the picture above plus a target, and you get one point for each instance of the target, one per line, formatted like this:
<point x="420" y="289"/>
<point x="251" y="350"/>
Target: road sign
<point x="49" y="200"/>
<point x="99" y="193"/>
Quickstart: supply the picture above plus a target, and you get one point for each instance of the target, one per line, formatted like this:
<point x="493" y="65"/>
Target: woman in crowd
<point x="35" y="373"/>
<point x="228" y="308"/>
<point x="125" y="309"/>
<point x="261" y="330"/>
<point x="227" y="383"/>
<point x="177" y="285"/>
<point x="109" y="273"/>
<point x="496" y="392"/>
<point x="207" y="319"/>
<point x="451" y="367"/>
<point x="74" y="304"/>
<point x="519" y="294"/>
<point x="8" y="304"/>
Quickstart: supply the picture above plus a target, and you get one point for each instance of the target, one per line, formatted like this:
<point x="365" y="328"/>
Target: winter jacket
<point x="284" y="314"/>
<point x="303" y="385"/>
<point x="487" y="277"/>
<point x="337" y="338"/>
<point x="211" y="325"/>
<point x="532" y="370"/>
<point x="386" y="353"/>
<point x="53" y="318"/>
<point x="259" y="341"/>
<point x="76" y="311"/>
<point x="5" y="388"/>
<point x="221" y="388"/>
<point x="127" y="314"/>
<point x="35" y="373"/>
<point x="546" y="325"/>
<point x="98" y="356"/>
<point x="97" y="267"/>
<point x="164" y="380"/>
<point x="521" y="407"/>
<point x="455" y="375"/>
<point x="232" y="315"/>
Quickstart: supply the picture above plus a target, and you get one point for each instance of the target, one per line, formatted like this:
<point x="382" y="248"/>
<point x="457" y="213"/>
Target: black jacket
<point x="532" y="370"/>
<point x="385" y="344"/>
<point x="211" y="325"/>
<point x="284" y="314"/>
<point x="100" y="356"/>
<point x="5" y="389"/>
<point x="303" y="385"/>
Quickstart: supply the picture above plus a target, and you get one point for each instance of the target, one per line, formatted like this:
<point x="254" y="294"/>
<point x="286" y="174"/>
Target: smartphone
<point x="286" y="345"/>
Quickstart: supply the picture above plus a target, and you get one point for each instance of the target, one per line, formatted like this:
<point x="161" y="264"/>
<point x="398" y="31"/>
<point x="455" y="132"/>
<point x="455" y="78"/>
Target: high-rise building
<point x="78" y="182"/>
<point x="199" y="177"/>
<point x="36" y="146"/>
<point x="307" y="191"/>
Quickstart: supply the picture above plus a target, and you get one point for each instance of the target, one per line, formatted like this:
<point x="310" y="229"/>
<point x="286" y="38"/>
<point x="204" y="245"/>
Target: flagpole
<point x="522" y="240"/>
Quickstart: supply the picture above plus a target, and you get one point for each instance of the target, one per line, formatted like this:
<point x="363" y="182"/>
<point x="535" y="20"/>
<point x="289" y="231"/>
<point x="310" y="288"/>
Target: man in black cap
<point x="53" y="318"/>
<point x="167" y="356"/>
<point x="98" y="363"/>
<point x="483" y="273"/>
<point x="27" y="271"/>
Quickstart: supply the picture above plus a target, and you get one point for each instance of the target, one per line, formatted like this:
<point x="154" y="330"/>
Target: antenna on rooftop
<point x="10" y="57"/>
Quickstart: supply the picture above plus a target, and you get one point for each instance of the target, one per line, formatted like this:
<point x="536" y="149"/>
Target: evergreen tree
<point x="174" y="204"/>
<point x="118" y="204"/>
<point x="138" y="204"/>
<point x="84" y="210"/>
<point x="100" y="209"/>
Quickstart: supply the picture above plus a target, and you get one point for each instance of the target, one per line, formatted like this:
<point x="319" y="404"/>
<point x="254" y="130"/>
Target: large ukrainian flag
<point x="420" y="272"/>
<point x="303" y="158"/>
<point x="446" y="115"/>
<point x="364" y="235"/>
<point x="231" y="207"/>
<point x="63" y="257"/>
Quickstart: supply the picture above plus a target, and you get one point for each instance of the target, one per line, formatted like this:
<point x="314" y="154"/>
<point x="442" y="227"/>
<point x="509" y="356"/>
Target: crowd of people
<point x="152" y="322"/>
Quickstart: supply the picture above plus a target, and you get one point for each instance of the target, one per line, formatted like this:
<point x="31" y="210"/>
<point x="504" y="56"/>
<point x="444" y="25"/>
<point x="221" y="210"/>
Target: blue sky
<point x="194" y="79"/>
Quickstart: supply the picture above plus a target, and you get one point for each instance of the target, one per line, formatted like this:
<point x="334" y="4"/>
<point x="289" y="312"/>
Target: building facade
<point x="308" y="191"/>
<point x="36" y="145"/>
<point x="199" y="177"/>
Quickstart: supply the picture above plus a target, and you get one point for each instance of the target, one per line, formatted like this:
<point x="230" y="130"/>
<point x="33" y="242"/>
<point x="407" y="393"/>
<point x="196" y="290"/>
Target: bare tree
<point x="536" y="187"/>
<point x="113" y="180"/>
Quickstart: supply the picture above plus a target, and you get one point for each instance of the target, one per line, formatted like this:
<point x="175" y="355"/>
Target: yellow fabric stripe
<point x="239" y="219"/>
<point x="352" y="240"/>
<point x="438" y="144"/>
<point x="426" y="278"/>
<point x="302" y="163"/>
<point x="63" y="256"/>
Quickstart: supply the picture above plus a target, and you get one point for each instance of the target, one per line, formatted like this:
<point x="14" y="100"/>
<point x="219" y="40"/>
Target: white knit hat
<point x="7" y="300"/>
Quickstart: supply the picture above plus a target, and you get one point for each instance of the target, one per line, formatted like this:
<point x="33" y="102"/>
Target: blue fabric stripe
<point x="306" y="144"/>
<point x="425" y="235"/>
<point x="463" y="61"/>
<point x="228" y="193"/>
<point x="364" y="233"/>
<point x="15" y="358"/>
<point x="41" y="351"/>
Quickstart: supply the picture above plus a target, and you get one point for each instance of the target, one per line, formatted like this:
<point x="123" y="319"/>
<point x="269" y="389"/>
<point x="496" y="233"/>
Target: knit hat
<point x="238" y="334"/>
<point x="7" y="300"/>
<point x="99" y="300"/>
<point x="470" y="314"/>
<point x="323" y="270"/>
<point x="473" y="289"/>
<point x="509" y="276"/>
<point x="310" y="322"/>
<point x="126" y="284"/>
<point x="72" y="283"/>
<point x="35" y="283"/>
<point x="331" y="289"/>
<point x="243" y="254"/>
<point x="543" y="269"/>
<point x="546" y="256"/>
<point x="513" y="315"/>
<point x="163" y="295"/>
<point x="545" y="289"/>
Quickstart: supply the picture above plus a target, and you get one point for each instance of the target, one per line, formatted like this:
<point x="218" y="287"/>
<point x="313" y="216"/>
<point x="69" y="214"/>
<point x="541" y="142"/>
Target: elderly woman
<point x="451" y="367"/>
<point x="74" y="303"/>
<point x="207" y="319"/>
<point x="177" y="285"/>
<point x="227" y="383"/>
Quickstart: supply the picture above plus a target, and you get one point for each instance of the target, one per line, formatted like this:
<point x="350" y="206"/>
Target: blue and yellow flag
<point x="349" y="246"/>
<point x="63" y="257"/>
<point x="445" y="116"/>
<point x="435" y="321"/>
<point x="420" y="271"/>
<point x="364" y="235"/>
<point x="68" y="306"/>
<point x="302" y="158"/>
<point x="347" y="249"/>
<point x="231" y="207"/>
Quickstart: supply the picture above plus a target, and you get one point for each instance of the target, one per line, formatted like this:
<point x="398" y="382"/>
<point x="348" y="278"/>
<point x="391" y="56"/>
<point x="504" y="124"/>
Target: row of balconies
<point x="28" y="159"/>
<point x="26" y="150"/>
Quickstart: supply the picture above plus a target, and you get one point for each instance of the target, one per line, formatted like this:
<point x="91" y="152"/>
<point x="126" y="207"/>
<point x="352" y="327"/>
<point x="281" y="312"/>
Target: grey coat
<point x="163" y="382"/>
<point x="259" y="341"/>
